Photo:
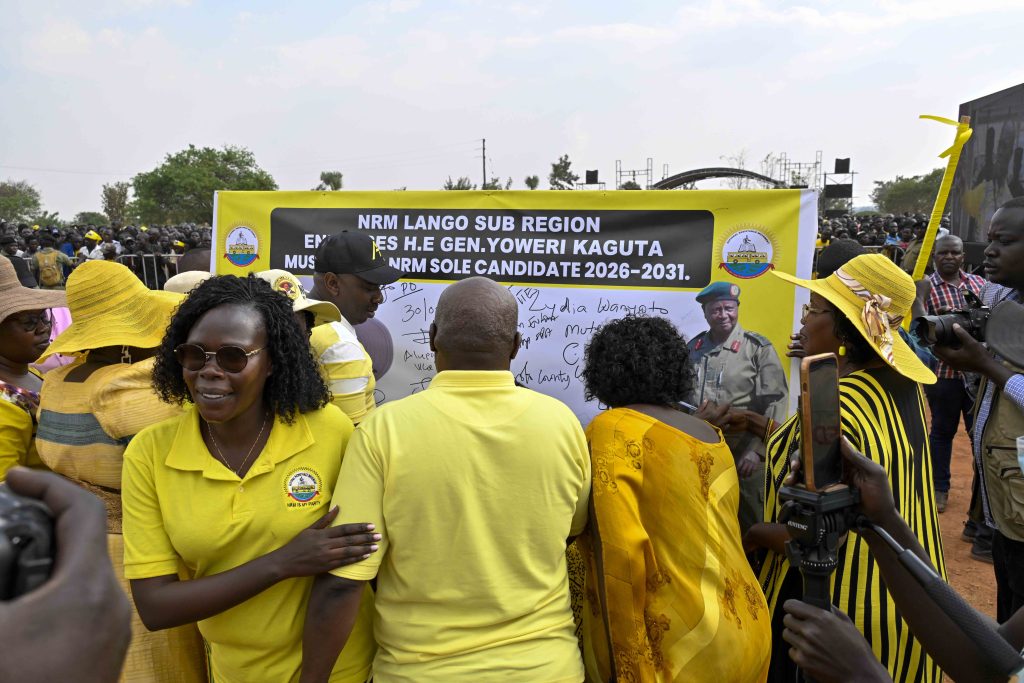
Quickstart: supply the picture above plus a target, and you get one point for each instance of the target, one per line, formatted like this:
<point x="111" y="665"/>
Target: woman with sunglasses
<point x="91" y="408"/>
<point x="227" y="507"/>
<point x="24" y="336"/>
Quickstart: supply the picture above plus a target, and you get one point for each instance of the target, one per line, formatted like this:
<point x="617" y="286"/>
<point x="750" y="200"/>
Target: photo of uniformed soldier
<point x="738" y="367"/>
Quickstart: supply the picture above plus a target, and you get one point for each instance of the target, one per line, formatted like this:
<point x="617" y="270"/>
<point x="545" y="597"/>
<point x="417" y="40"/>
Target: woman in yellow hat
<point x="855" y="313"/>
<point x="90" y="409"/>
<point x="24" y="335"/>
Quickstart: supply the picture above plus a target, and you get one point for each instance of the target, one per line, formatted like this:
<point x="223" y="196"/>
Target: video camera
<point x="937" y="330"/>
<point x="26" y="544"/>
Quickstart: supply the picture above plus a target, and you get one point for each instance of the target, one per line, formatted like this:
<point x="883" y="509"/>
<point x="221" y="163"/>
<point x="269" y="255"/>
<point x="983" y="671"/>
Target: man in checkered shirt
<point x="1000" y="414"/>
<point x="948" y="398"/>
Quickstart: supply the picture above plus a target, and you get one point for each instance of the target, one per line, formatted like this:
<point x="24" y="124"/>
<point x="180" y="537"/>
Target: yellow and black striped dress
<point x="883" y="417"/>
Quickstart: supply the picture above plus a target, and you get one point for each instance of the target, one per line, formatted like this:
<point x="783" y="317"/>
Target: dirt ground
<point x="974" y="580"/>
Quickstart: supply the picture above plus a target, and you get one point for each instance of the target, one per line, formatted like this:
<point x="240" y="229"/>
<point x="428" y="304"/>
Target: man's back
<point x="475" y="485"/>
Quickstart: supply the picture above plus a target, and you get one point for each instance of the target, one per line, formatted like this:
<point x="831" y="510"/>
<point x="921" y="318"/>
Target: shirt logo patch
<point x="303" y="488"/>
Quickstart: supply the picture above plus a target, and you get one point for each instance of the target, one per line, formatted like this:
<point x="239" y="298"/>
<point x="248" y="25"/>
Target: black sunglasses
<point x="229" y="358"/>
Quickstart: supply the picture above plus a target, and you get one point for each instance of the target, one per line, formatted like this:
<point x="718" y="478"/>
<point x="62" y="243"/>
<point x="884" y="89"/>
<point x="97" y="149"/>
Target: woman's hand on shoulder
<point x="723" y="416"/>
<point x="321" y="547"/>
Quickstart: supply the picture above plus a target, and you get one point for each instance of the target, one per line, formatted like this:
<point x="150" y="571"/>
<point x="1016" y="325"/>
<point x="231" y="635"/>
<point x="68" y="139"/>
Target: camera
<point x="937" y="330"/>
<point x="26" y="544"/>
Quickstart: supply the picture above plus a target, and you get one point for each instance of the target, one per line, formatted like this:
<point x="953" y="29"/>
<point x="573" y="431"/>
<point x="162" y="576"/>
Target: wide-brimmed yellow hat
<point x="111" y="307"/>
<point x="875" y="295"/>
<point x="289" y="285"/>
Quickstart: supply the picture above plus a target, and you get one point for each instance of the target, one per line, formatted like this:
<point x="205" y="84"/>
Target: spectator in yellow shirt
<point x="475" y="485"/>
<point x="349" y="272"/>
<point x="226" y="507"/>
<point x="24" y="335"/>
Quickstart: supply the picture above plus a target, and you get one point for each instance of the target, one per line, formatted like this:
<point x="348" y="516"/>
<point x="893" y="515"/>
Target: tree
<point x="329" y="180"/>
<point x="181" y="189"/>
<point x="19" y="201"/>
<point x="738" y="160"/>
<point x="630" y="185"/>
<point x="115" y="202"/>
<point x="915" y="194"/>
<point x="463" y="183"/>
<point x="532" y="182"/>
<point x="495" y="184"/>
<point x="47" y="219"/>
<point x="561" y="176"/>
<point x="94" y="218"/>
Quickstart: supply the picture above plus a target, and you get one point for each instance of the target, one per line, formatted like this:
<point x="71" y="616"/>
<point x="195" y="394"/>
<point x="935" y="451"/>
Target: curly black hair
<point x="296" y="387"/>
<point x="637" y="359"/>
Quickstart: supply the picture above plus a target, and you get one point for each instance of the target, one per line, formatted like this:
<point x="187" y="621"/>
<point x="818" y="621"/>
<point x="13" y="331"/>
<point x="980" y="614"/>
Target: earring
<point x="126" y="356"/>
<point x="842" y="349"/>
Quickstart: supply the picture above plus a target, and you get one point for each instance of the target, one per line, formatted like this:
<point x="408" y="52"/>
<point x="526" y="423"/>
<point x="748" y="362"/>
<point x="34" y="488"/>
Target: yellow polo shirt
<point x="347" y="367"/>
<point x="475" y="485"/>
<point x="183" y="507"/>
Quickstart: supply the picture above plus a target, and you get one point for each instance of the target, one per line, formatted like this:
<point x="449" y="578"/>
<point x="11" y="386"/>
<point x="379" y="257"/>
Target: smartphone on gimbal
<point x="819" y="422"/>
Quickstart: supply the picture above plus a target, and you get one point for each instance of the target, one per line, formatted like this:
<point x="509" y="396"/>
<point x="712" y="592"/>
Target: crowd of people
<point x="265" y="520"/>
<point x="899" y="237"/>
<point x="50" y="253"/>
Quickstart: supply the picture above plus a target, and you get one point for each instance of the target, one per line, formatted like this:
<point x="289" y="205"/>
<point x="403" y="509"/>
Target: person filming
<point x="999" y="411"/>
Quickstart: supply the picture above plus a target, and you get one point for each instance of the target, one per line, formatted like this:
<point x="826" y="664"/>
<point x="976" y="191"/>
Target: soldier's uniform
<point x="746" y="372"/>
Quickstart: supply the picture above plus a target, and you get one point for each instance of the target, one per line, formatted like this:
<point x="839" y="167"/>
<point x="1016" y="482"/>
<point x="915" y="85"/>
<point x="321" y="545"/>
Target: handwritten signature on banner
<point x="554" y="326"/>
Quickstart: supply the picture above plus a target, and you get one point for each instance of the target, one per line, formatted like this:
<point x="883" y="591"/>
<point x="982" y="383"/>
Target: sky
<point x="399" y="93"/>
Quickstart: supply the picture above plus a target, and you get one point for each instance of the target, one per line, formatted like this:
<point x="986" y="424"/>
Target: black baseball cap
<point x="354" y="253"/>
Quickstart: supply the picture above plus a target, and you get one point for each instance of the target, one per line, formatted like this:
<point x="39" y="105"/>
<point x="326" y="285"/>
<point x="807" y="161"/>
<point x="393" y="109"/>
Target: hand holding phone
<point x="820" y="422"/>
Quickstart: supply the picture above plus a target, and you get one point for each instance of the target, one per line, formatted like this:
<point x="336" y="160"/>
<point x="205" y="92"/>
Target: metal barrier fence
<point x="152" y="269"/>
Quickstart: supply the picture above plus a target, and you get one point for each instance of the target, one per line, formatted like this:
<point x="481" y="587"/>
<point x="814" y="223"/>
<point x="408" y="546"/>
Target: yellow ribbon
<point x="963" y="134"/>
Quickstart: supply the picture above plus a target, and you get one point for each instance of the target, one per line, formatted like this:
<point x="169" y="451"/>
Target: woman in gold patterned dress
<point x="670" y="595"/>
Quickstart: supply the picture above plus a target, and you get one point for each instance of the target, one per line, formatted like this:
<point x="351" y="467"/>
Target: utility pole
<point x="483" y="158"/>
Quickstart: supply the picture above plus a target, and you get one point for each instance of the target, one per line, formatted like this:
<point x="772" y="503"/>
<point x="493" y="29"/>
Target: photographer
<point x="75" y="627"/>
<point x="948" y="398"/>
<point x="827" y="645"/>
<point x="999" y="411"/>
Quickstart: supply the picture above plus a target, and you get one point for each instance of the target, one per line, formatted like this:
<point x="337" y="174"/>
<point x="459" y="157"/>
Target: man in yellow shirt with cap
<point x="349" y="273"/>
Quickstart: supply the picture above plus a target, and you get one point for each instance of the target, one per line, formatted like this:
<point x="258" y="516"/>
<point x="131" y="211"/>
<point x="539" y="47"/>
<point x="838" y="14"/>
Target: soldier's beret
<point x="718" y="291"/>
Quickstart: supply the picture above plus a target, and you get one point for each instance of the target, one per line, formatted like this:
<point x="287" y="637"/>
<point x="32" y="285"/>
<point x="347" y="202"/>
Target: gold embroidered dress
<point x="665" y="563"/>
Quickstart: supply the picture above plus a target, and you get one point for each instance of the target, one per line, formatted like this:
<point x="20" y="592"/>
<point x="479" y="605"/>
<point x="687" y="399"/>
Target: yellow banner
<point x="573" y="260"/>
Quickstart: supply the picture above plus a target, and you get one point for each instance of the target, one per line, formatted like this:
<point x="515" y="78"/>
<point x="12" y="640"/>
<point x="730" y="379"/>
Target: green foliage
<point x="532" y="182"/>
<point x="463" y="183"/>
<point x="45" y="219"/>
<point x="329" y="180"/>
<point x="915" y="193"/>
<point x="181" y="189"/>
<point x="561" y="176"/>
<point x="114" y="199"/>
<point x="630" y="185"/>
<point x="94" y="218"/>
<point x="495" y="184"/>
<point x="19" y="201"/>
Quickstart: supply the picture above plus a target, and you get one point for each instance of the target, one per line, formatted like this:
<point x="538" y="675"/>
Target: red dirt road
<point x="974" y="580"/>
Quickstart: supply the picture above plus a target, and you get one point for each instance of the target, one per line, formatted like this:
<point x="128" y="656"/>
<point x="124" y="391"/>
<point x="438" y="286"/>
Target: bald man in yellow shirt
<point x="474" y="485"/>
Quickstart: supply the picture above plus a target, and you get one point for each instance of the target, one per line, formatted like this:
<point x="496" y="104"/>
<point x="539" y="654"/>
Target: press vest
<point x="1003" y="476"/>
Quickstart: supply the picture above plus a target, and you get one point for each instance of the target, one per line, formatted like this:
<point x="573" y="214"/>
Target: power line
<point x="376" y="157"/>
<point x="67" y="170"/>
